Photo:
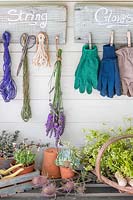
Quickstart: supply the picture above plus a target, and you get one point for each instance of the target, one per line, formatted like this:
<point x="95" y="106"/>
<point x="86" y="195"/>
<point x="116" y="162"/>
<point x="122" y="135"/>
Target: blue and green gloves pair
<point x="87" y="70"/>
<point x="105" y="78"/>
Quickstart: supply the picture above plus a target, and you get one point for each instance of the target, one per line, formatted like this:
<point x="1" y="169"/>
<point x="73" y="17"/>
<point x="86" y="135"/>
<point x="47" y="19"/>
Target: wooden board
<point x="17" y="184"/>
<point x="92" y="190"/>
<point x="33" y="19"/>
<point x="101" y="20"/>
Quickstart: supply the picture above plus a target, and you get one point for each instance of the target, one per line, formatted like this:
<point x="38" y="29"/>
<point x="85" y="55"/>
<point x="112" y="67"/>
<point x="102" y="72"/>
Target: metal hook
<point x="90" y="40"/>
<point x="128" y="38"/>
<point x="57" y="42"/>
<point x="112" y="38"/>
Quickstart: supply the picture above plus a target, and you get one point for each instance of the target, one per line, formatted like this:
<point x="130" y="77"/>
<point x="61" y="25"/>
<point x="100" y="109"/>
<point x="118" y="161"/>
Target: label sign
<point x="111" y="18"/>
<point x="101" y="20"/>
<point x="33" y="19"/>
<point x="15" y="16"/>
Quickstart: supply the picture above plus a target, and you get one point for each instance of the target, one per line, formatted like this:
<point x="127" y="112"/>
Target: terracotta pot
<point x="49" y="167"/>
<point x="26" y="170"/>
<point x="66" y="172"/>
<point x="5" y="163"/>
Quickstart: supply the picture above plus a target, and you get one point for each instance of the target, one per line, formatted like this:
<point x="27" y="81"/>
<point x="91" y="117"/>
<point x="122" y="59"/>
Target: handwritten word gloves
<point x="109" y="78"/>
<point x="125" y="60"/>
<point x="87" y="70"/>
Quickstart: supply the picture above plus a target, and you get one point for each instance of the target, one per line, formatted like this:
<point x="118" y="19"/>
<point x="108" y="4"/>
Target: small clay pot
<point x="5" y="163"/>
<point x="49" y="167"/>
<point x="66" y="172"/>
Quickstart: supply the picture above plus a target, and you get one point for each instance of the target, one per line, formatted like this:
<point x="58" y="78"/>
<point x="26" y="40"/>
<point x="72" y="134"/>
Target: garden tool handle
<point x="128" y="38"/>
<point x="90" y="40"/>
<point x="112" y="38"/>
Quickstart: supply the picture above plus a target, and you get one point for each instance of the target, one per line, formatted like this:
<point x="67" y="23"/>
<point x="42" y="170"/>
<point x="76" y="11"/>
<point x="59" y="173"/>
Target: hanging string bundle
<point x="26" y="109"/>
<point x="8" y="87"/>
<point x="42" y="57"/>
<point x="56" y="120"/>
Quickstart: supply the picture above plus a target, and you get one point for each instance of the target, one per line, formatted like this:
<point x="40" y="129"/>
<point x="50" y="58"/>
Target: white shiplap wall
<point x="82" y="110"/>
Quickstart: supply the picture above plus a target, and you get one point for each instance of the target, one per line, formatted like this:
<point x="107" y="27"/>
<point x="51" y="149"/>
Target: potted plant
<point x="117" y="160"/>
<point x="24" y="155"/>
<point x="7" y="145"/>
<point x="68" y="161"/>
<point x="49" y="168"/>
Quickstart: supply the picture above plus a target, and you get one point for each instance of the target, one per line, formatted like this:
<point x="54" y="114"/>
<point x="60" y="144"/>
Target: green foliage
<point x="24" y="156"/>
<point x="118" y="156"/>
<point x="7" y="143"/>
<point x="67" y="158"/>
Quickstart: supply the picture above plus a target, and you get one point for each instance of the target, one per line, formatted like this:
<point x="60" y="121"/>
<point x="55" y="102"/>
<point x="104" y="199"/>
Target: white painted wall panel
<point x="82" y="110"/>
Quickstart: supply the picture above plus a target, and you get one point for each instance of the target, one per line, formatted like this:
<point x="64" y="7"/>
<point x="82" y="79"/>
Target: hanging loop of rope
<point x="8" y="87"/>
<point x="26" y="109"/>
<point x="42" y="57"/>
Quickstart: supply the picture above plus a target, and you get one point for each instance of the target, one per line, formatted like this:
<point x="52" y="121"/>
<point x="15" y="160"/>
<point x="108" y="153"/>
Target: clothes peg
<point x="90" y="40"/>
<point x="112" y="38"/>
<point x="128" y="38"/>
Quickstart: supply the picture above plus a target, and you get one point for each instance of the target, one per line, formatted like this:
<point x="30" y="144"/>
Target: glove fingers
<point x="89" y="87"/>
<point x="131" y="89"/>
<point x="117" y="80"/>
<point x="99" y="86"/>
<point x="111" y="88"/>
<point x="124" y="87"/>
<point x="104" y="86"/>
<point x="82" y="86"/>
<point x="76" y="83"/>
<point x="94" y="83"/>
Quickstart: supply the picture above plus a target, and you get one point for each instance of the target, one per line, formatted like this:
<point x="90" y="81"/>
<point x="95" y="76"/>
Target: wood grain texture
<point x="100" y="20"/>
<point x="79" y="111"/>
<point x="73" y="130"/>
<point x="33" y="19"/>
<point x="17" y="184"/>
<point x="18" y="179"/>
<point x="82" y="110"/>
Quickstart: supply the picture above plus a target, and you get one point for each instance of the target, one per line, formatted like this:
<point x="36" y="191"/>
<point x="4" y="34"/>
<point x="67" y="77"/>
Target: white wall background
<point x="82" y="110"/>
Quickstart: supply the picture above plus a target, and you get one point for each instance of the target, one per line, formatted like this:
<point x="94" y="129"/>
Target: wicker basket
<point x="97" y="172"/>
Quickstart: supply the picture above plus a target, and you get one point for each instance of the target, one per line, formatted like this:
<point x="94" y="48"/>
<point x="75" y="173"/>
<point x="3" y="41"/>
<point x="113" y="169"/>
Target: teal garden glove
<point x="86" y="74"/>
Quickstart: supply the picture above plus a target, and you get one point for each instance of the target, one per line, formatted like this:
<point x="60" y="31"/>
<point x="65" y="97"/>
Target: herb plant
<point x="24" y="156"/>
<point x="118" y="156"/>
<point x="7" y="143"/>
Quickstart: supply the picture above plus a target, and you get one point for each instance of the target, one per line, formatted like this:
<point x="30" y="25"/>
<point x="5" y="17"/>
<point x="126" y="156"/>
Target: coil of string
<point x="42" y="57"/>
<point x="8" y="87"/>
<point x="26" y="109"/>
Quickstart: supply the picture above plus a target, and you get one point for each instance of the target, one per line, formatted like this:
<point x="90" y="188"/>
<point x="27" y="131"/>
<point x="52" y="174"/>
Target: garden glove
<point x="125" y="60"/>
<point x="87" y="70"/>
<point x="109" y="79"/>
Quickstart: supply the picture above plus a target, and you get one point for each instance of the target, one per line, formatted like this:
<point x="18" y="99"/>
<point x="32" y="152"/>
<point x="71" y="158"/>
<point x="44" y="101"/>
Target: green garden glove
<point x="87" y="70"/>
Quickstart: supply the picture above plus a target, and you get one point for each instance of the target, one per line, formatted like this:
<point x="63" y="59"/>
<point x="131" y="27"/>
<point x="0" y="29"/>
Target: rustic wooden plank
<point x="12" y="190"/>
<point x="18" y="179"/>
<point x="100" y="20"/>
<point x="33" y="19"/>
<point x="77" y="195"/>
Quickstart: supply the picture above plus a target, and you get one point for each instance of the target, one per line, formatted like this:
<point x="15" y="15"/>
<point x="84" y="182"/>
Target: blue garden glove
<point x="87" y="70"/>
<point x="109" y="78"/>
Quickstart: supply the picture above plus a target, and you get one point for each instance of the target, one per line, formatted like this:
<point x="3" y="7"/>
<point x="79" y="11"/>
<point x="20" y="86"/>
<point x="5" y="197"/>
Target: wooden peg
<point x="128" y="38"/>
<point x="112" y="38"/>
<point x="90" y="40"/>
